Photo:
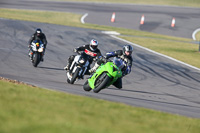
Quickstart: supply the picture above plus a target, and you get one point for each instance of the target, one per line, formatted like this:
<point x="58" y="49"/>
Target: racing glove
<point x="75" y="50"/>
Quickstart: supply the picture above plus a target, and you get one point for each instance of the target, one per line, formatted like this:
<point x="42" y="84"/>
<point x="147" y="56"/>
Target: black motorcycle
<point x="36" y="52"/>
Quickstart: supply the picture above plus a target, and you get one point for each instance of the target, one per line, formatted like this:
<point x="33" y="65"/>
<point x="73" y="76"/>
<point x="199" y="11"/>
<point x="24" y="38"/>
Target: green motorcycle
<point x="105" y="75"/>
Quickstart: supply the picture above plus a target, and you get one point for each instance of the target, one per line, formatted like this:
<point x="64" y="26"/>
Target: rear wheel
<point x="101" y="82"/>
<point x="86" y="86"/>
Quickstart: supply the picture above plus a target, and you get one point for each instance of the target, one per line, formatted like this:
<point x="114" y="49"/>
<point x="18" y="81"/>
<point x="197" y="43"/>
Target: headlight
<point x="81" y="61"/>
<point x="40" y="50"/>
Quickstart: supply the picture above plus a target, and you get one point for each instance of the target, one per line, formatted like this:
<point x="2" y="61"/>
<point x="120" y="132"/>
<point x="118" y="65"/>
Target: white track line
<point x="194" y="33"/>
<point x="154" y="52"/>
<point x="83" y="17"/>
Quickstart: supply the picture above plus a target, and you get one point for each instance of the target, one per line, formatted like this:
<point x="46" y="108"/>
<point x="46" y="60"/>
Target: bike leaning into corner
<point x="105" y="75"/>
<point x="78" y="67"/>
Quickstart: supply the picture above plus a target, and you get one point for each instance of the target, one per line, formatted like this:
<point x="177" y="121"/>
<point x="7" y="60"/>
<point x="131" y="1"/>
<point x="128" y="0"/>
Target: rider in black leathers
<point x="125" y="55"/>
<point x="90" y="49"/>
<point x="40" y="37"/>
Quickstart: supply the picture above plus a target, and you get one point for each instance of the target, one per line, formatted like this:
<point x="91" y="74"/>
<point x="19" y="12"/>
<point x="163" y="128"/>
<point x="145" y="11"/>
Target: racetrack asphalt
<point x="158" y="19"/>
<point x="155" y="82"/>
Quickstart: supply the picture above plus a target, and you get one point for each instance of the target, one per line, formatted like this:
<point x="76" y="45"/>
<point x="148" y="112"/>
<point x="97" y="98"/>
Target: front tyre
<point x="68" y="80"/>
<point x="36" y="59"/>
<point x="74" y="76"/>
<point x="86" y="86"/>
<point x="102" y="84"/>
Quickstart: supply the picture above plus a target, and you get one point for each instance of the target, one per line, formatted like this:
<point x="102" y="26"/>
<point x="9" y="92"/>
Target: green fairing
<point x="108" y="67"/>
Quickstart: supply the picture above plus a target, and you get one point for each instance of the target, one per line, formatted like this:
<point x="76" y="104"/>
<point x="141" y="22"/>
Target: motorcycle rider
<point x="125" y="55"/>
<point x="90" y="49"/>
<point x="39" y="36"/>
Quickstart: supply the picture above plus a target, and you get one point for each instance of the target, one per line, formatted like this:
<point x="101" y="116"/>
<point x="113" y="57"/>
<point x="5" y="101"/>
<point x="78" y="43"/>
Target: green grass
<point x="198" y="36"/>
<point x="34" y="110"/>
<point x="26" y="109"/>
<point x="171" y="46"/>
<point x="59" y="18"/>
<point x="188" y="3"/>
<point x="185" y="52"/>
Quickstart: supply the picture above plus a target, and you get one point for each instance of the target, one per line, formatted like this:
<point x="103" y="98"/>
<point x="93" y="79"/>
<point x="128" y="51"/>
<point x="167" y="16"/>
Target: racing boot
<point x="70" y="60"/>
<point x="66" y="67"/>
<point x="118" y="83"/>
<point x="81" y="77"/>
<point x="42" y="59"/>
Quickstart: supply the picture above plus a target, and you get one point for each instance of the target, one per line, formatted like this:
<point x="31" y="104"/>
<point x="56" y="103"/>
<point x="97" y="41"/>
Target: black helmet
<point x="127" y="48"/>
<point x="38" y="31"/>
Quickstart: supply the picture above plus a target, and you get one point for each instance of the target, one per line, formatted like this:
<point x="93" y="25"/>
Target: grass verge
<point x="186" y="3"/>
<point x="30" y="109"/>
<point x="179" y="48"/>
<point x="198" y="36"/>
<point x="35" y="110"/>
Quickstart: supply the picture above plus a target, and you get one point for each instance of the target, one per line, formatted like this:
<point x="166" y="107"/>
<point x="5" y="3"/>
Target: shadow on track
<point x="51" y="68"/>
<point x="148" y="100"/>
<point x="126" y="90"/>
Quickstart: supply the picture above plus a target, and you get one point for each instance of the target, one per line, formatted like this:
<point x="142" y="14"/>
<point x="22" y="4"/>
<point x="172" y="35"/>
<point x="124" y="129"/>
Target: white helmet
<point x="93" y="44"/>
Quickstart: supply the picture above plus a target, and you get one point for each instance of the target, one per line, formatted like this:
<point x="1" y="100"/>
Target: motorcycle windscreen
<point x="118" y="62"/>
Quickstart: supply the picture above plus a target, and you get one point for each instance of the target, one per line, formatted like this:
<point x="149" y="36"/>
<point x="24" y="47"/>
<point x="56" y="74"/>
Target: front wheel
<point x="86" y="86"/>
<point x="36" y="59"/>
<point x="102" y="82"/>
<point x="74" y="76"/>
<point x="68" y="80"/>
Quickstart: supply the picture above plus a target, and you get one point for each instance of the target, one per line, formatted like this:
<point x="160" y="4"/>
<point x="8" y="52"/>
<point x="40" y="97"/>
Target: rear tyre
<point x="101" y="83"/>
<point x="86" y="86"/>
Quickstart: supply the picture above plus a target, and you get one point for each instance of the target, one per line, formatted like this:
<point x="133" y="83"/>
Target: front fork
<point x="73" y="69"/>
